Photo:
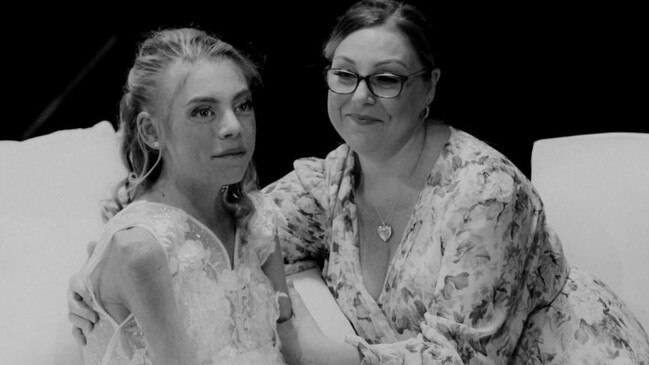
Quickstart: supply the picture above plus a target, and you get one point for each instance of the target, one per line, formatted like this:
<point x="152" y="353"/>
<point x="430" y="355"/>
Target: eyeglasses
<point x="382" y="85"/>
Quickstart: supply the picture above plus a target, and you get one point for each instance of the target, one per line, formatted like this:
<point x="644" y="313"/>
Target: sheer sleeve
<point x="262" y="226"/>
<point x="300" y="198"/>
<point x="498" y="264"/>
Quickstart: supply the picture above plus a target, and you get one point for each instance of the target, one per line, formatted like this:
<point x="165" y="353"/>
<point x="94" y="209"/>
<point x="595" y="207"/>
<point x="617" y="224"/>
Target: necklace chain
<point x="384" y="221"/>
<point x="384" y="230"/>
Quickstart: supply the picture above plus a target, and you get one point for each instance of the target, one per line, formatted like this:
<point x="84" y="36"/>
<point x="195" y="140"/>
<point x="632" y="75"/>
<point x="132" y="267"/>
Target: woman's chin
<point x="229" y="177"/>
<point x="361" y="143"/>
<point x="235" y="179"/>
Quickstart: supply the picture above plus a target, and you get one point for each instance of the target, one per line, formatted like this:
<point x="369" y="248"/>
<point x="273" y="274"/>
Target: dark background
<point x="511" y="74"/>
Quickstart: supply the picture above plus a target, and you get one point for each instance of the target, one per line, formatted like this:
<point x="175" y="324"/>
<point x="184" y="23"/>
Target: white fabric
<point x="321" y="304"/>
<point x="50" y="188"/>
<point x="596" y="191"/>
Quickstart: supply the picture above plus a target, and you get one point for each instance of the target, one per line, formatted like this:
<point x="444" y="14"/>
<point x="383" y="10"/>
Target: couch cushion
<point x="596" y="192"/>
<point x="50" y="188"/>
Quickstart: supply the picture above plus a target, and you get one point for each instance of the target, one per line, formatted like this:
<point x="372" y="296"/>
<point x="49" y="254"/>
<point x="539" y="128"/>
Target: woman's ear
<point x="148" y="130"/>
<point x="434" y="78"/>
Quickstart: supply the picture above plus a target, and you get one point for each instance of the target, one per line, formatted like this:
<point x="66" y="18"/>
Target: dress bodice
<point x="229" y="308"/>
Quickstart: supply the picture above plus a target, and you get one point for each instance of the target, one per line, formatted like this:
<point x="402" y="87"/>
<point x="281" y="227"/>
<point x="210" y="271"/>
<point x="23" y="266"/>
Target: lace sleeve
<point x="262" y="226"/>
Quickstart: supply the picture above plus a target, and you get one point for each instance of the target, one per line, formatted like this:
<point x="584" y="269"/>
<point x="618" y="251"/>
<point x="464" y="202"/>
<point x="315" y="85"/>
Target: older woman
<point x="436" y="247"/>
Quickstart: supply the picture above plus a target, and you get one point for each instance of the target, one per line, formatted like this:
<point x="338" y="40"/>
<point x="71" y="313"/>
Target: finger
<point x="79" y="297"/>
<point x="78" y="322"/>
<point x="78" y="294"/>
<point x="77" y="286"/>
<point x="79" y="308"/>
<point x="78" y="336"/>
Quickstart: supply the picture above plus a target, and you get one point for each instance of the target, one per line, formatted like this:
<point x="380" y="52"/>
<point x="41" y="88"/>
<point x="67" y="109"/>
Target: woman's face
<point x="369" y="124"/>
<point x="210" y="122"/>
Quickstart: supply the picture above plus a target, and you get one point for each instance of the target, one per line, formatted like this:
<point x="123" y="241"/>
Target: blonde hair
<point x="156" y="53"/>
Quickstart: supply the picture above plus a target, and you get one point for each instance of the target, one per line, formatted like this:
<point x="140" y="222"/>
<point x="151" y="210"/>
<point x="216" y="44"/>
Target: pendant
<point x="384" y="231"/>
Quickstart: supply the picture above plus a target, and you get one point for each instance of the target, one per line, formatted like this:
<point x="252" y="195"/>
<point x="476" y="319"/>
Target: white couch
<point x="595" y="188"/>
<point x="50" y="188"/>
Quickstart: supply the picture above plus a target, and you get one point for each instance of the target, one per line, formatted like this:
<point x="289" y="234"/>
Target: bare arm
<point x="302" y="340"/>
<point x="145" y="287"/>
<point x="274" y="270"/>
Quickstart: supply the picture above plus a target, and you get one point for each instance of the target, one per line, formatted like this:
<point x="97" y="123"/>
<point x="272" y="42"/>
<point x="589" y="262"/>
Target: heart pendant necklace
<point x="384" y="230"/>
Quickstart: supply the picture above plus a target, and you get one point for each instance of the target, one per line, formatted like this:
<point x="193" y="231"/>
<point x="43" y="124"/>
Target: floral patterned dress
<point x="230" y="314"/>
<point x="503" y="292"/>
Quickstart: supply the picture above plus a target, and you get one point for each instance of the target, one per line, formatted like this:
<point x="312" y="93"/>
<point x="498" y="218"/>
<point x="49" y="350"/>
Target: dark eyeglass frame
<point x="367" y="78"/>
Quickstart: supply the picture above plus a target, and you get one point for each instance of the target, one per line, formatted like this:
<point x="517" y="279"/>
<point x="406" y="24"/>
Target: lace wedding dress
<point x="229" y="309"/>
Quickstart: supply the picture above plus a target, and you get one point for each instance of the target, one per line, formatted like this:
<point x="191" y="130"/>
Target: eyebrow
<point x="392" y="60"/>
<point x="213" y="100"/>
<point x="384" y="62"/>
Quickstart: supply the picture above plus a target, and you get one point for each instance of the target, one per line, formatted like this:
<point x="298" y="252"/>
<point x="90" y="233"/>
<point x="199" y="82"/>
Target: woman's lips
<point x="231" y="153"/>
<point x="363" y="119"/>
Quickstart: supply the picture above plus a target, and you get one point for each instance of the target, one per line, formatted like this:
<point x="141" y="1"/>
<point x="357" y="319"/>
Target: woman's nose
<point x="230" y="126"/>
<point x="362" y="94"/>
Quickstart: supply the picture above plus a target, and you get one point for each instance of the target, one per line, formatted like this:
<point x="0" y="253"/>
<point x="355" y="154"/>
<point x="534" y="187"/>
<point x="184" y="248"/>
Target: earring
<point x="156" y="144"/>
<point x="426" y="111"/>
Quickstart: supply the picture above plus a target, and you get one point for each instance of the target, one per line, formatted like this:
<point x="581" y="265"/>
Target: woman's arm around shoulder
<point x="300" y="199"/>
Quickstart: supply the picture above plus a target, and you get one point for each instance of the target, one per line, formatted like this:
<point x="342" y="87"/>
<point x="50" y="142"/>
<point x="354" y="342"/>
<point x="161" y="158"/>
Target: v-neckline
<point x="407" y="229"/>
<point x="359" y="270"/>
<point x="232" y="264"/>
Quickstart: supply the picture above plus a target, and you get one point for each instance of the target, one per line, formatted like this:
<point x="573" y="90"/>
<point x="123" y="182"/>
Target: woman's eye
<point x="203" y="112"/>
<point x="345" y="76"/>
<point x="245" y="107"/>
<point x="386" y="80"/>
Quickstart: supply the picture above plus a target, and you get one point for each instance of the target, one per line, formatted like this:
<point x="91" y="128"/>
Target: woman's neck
<point x="406" y="169"/>
<point x="393" y="168"/>
<point x="201" y="202"/>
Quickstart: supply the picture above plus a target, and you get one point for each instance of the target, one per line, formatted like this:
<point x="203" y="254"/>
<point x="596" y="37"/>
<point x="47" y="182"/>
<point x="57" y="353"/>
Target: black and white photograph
<point x="327" y="182"/>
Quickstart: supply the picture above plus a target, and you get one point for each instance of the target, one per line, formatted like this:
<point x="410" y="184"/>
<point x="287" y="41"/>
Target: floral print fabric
<point x="229" y="308"/>
<point x="503" y="287"/>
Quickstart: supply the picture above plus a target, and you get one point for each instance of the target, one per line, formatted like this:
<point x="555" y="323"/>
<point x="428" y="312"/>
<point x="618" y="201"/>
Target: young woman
<point x="188" y="271"/>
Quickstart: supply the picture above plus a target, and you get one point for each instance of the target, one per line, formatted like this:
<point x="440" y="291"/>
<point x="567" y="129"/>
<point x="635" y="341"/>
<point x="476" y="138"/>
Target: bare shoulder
<point x="136" y="249"/>
<point x="133" y="261"/>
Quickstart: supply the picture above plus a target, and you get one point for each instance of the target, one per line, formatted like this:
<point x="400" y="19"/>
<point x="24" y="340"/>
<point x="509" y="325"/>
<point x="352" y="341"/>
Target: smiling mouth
<point x="364" y="119"/>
